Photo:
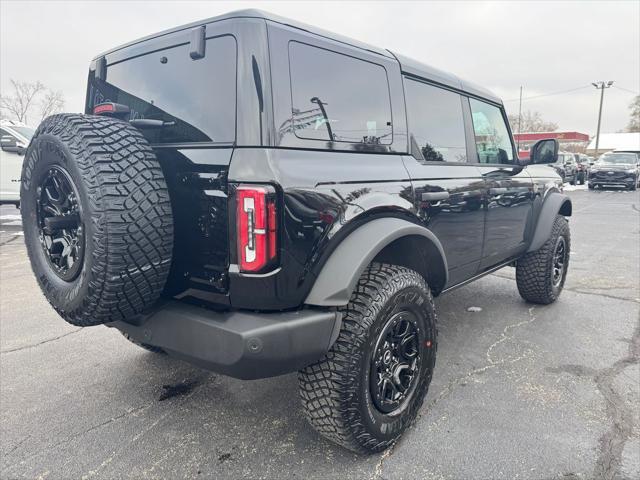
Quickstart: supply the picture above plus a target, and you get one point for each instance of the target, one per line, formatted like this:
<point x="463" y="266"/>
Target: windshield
<point x="618" y="158"/>
<point x="26" y="132"/>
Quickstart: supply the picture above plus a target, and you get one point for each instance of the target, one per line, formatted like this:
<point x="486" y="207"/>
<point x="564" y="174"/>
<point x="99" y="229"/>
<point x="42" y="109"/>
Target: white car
<point x="14" y="139"/>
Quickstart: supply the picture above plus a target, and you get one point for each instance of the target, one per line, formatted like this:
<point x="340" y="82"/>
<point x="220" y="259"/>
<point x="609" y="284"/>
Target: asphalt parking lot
<point x="520" y="391"/>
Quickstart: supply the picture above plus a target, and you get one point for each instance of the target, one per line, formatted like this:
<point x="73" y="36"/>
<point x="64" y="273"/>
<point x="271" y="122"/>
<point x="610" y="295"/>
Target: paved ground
<point x="519" y="391"/>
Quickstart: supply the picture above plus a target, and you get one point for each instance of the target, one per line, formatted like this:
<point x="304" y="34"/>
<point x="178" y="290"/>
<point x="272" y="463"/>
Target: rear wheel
<point x="540" y="275"/>
<point x="97" y="218"/>
<point x="369" y="387"/>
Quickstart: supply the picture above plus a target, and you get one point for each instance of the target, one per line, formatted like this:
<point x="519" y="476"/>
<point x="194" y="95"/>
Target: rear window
<point x="198" y="96"/>
<point x="338" y="98"/>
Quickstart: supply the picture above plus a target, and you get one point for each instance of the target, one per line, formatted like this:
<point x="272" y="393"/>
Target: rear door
<point x="448" y="191"/>
<point x="509" y="186"/>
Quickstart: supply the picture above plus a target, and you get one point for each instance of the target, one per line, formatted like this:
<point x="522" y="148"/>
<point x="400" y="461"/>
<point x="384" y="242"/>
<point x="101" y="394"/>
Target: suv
<point x="566" y="167"/>
<point x="260" y="197"/>
<point x="617" y="169"/>
<point x="582" y="165"/>
<point x="14" y="138"/>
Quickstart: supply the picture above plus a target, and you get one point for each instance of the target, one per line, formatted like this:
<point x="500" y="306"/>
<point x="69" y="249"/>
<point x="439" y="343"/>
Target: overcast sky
<point x="546" y="47"/>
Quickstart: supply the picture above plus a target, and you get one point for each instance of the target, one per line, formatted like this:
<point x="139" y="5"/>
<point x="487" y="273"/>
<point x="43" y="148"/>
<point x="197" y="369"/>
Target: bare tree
<point x="52" y="102"/>
<point x="634" y="121"/>
<point x="24" y="99"/>
<point x="531" y="122"/>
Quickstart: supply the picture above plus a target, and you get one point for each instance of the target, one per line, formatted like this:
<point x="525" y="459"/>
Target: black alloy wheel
<point x="395" y="362"/>
<point x="60" y="225"/>
<point x="559" y="259"/>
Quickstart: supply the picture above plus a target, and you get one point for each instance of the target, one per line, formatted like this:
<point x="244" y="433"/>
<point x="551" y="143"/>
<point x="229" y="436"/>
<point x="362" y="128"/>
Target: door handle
<point x="498" y="191"/>
<point x="434" y="196"/>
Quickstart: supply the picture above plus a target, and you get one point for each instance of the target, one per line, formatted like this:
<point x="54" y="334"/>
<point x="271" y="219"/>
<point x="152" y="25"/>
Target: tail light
<point x="257" y="227"/>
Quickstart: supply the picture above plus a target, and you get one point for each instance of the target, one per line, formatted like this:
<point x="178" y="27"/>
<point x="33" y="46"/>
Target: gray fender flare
<point x="554" y="204"/>
<point x="340" y="273"/>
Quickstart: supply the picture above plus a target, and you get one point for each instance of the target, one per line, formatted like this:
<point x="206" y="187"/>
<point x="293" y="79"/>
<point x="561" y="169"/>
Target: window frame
<point x="407" y="76"/>
<point x="279" y="36"/>
<point x="356" y="58"/>
<point x="472" y="135"/>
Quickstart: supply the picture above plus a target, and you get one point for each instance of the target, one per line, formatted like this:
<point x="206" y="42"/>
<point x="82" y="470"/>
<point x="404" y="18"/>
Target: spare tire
<point x="97" y="218"/>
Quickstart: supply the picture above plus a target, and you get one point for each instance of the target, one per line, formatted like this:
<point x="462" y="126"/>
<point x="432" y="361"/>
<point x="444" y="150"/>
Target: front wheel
<point x="540" y="275"/>
<point x="369" y="387"/>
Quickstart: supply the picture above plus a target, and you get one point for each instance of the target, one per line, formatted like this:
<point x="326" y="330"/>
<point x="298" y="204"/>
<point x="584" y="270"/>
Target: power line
<point x="549" y="94"/>
<point x="626" y="90"/>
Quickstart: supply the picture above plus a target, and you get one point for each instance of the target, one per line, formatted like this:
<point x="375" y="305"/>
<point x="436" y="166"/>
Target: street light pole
<point x="600" y="86"/>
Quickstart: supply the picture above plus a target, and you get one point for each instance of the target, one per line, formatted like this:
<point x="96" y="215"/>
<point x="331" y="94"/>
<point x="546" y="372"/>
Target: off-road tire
<point x="125" y="213"/>
<point x="591" y="186"/>
<point x="534" y="271"/>
<point x="146" y="346"/>
<point x="335" y="391"/>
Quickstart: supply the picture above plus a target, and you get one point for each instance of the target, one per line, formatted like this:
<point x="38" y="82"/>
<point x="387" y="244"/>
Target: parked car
<point x="616" y="169"/>
<point x="582" y="165"/>
<point x="566" y="167"/>
<point x="14" y="138"/>
<point x="260" y="197"/>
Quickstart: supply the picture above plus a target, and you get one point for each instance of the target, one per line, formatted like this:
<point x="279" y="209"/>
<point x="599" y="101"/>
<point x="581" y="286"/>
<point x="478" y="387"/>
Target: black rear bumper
<point x="240" y="344"/>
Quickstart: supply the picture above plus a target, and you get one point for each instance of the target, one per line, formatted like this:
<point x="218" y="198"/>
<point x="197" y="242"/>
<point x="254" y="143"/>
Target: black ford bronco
<point x="260" y="197"/>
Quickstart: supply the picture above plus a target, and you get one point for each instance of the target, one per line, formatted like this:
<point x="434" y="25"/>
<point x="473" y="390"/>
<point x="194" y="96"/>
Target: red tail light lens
<point x="257" y="227"/>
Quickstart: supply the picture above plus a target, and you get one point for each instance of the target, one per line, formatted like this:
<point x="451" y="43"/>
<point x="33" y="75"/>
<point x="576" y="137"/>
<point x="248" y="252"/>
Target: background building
<point x="615" y="141"/>
<point x="569" y="141"/>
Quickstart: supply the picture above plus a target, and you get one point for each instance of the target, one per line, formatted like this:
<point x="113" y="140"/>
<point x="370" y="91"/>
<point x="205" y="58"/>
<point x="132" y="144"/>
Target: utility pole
<point x="519" y="119"/>
<point x="600" y="86"/>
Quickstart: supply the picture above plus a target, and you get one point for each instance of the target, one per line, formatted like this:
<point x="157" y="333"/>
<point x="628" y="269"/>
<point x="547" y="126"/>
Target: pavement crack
<point x="48" y="340"/>
<point x="584" y="291"/>
<point x="12" y="239"/>
<point x="612" y="442"/>
<point x="377" y="474"/>
<point x="491" y="363"/>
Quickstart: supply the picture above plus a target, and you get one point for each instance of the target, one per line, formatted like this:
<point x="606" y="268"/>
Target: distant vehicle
<point x="14" y="139"/>
<point x="582" y="164"/>
<point x="616" y="169"/>
<point x="566" y="167"/>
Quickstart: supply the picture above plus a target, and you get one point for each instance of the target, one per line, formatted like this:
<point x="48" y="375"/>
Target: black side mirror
<point x="10" y="144"/>
<point x="544" y="151"/>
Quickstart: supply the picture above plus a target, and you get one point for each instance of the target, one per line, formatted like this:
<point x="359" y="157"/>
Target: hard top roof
<point x="408" y="65"/>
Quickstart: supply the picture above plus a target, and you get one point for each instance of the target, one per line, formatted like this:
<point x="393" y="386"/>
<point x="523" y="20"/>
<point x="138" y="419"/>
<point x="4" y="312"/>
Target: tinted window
<point x="199" y="96"/>
<point x="492" y="137"/>
<point x="436" y="122"/>
<point x="337" y="97"/>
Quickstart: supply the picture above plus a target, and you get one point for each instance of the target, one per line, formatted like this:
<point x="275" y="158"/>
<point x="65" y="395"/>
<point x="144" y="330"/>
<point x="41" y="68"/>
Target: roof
<point x="616" y="141"/>
<point x="408" y="65"/>
<point x="566" y="136"/>
<point x="256" y="13"/>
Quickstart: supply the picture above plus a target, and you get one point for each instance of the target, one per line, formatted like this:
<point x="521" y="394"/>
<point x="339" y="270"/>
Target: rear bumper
<point x="240" y="344"/>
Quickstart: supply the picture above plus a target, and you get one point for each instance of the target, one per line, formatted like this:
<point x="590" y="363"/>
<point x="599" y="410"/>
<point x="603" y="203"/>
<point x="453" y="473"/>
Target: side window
<point x="492" y="137"/>
<point x="435" y="122"/>
<point x="337" y="98"/>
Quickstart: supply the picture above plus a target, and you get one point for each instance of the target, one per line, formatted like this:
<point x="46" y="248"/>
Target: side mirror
<point x="10" y="144"/>
<point x="544" y="151"/>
